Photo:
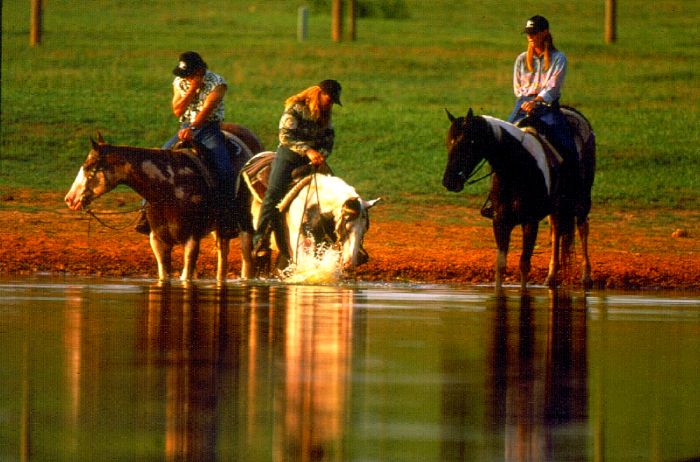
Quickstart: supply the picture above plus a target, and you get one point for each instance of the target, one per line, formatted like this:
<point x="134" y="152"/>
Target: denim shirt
<point x="546" y="83"/>
<point x="299" y="132"/>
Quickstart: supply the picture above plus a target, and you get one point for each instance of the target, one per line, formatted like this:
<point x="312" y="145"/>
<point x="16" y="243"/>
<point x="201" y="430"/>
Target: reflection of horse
<point x="178" y="188"/>
<point x="526" y="185"/>
<point x="319" y="206"/>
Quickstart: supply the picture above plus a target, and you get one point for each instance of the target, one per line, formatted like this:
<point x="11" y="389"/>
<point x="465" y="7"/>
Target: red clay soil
<point x="446" y="244"/>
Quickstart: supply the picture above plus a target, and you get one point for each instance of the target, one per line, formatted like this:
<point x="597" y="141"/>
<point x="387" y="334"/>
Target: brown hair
<point x="548" y="49"/>
<point x="311" y="98"/>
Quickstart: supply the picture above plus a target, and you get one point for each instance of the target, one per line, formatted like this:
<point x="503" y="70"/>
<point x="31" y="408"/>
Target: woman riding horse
<point x="538" y="78"/>
<point x="198" y="101"/>
<point x="306" y="135"/>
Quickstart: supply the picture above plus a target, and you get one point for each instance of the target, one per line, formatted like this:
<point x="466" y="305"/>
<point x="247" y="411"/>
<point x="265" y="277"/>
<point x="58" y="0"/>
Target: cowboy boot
<point x="142" y="225"/>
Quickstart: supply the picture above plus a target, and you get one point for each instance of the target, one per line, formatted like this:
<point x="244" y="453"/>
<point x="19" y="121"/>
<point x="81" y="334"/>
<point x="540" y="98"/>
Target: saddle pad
<point x="256" y="173"/>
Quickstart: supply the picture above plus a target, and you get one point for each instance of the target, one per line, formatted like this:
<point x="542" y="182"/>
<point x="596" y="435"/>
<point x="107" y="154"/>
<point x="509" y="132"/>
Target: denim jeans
<point x="279" y="183"/>
<point x="551" y="122"/>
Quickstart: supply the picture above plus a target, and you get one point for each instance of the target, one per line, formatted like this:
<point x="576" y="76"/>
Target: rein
<point x="468" y="180"/>
<point x="107" y="225"/>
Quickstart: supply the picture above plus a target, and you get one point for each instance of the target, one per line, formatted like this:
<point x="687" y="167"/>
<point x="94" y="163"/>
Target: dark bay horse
<point x="527" y="185"/>
<point x="178" y="187"/>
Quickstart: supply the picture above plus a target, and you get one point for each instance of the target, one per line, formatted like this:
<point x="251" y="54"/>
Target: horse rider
<point x="538" y="78"/>
<point x="305" y="136"/>
<point x="198" y="102"/>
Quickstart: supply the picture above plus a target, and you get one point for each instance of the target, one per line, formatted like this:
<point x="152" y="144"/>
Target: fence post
<point x="35" y="30"/>
<point x="352" y="17"/>
<point x="610" y="21"/>
<point x="337" y="20"/>
<point x="302" y="23"/>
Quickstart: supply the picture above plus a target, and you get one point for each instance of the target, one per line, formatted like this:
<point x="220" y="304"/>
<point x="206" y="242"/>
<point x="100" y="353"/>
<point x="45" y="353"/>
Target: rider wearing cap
<point x="198" y="102"/>
<point x="305" y="136"/>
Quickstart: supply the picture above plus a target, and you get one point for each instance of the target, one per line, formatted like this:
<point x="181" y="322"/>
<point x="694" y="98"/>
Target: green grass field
<point x="105" y="65"/>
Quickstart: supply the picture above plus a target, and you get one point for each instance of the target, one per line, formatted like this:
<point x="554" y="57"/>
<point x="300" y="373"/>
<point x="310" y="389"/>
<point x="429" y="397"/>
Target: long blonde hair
<point x="548" y="49"/>
<point x="311" y="97"/>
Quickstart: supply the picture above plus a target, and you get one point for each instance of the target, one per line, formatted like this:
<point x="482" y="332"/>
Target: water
<point x="97" y="369"/>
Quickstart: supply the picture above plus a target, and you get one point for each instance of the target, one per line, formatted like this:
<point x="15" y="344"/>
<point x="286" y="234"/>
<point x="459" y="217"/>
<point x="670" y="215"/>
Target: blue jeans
<point x="550" y="122"/>
<point x="211" y="137"/>
<point x="279" y="183"/>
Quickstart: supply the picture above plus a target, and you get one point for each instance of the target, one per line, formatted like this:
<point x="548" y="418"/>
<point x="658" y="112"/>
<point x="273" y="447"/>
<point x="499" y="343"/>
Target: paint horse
<point x="526" y="186"/>
<point x="179" y="190"/>
<point x="320" y="209"/>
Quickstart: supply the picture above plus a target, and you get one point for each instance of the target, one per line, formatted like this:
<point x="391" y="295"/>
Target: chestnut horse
<point x="526" y="186"/>
<point x="178" y="187"/>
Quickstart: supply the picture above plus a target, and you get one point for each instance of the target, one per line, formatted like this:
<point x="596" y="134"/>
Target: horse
<point x="527" y="185"/>
<point x="178" y="186"/>
<point x="320" y="210"/>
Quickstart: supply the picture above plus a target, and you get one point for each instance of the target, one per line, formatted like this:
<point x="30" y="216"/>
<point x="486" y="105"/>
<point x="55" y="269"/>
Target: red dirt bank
<point x="445" y="244"/>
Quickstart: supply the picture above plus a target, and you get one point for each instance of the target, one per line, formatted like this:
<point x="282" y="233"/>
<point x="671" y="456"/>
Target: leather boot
<point x="142" y="225"/>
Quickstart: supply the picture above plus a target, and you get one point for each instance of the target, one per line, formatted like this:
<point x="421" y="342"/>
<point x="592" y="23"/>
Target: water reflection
<point x="535" y="384"/>
<point x="288" y="344"/>
<point x="280" y="372"/>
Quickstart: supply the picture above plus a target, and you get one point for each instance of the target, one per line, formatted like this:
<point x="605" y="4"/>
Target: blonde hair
<point x="311" y="97"/>
<point x="548" y="49"/>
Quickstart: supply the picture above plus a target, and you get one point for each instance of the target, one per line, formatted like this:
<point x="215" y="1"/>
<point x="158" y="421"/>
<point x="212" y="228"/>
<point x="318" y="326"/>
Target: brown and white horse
<point x="526" y="186"/>
<point x="178" y="188"/>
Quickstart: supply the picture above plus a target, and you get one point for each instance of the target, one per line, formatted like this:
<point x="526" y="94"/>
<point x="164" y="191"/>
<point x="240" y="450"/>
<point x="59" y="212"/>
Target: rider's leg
<point x="280" y="180"/>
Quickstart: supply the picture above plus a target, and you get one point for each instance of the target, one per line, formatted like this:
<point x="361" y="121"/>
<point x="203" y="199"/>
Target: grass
<point x="105" y="65"/>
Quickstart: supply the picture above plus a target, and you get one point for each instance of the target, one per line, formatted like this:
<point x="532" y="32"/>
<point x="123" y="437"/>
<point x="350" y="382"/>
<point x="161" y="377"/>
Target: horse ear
<point x="470" y="114"/>
<point x="94" y="144"/>
<point x="450" y="116"/>
<point x="373" y="202"/>
<point x="100" y="140"/>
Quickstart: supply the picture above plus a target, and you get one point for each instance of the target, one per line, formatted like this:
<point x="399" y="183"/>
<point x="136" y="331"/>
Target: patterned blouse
<point x="211" y="81"/>
<point x="545" y="83"/>
<point x="299" y="132"/>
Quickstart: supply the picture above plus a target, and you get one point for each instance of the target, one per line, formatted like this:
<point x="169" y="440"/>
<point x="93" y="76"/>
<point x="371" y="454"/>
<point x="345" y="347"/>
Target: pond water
<point x="96" y="369"/>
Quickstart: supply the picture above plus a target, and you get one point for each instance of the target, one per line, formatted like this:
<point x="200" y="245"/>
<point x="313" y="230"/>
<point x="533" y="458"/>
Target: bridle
<point x="468" y="178"/>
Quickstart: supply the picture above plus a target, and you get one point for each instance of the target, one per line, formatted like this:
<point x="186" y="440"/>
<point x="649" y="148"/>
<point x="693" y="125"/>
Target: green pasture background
<point x="106" y="65"/>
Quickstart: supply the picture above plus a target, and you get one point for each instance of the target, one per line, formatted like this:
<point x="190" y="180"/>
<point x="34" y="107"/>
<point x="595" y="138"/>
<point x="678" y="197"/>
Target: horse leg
<point x="162" y="252"/>
<point x="501" y="232"/>
<point x="551" y="280"/>
<point x="583" y="229"/>
<point x="190" y="255"/>
<point x="529" y="240"/>
<point x="222" y="248"/>
<point x="247" y="268"/>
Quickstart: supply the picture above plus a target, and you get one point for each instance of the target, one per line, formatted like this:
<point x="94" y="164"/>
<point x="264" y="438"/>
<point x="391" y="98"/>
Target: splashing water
<point x="316" y="264"/>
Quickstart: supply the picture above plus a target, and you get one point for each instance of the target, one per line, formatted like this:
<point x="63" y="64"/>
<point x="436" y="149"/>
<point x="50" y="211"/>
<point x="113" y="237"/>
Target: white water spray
<point x="316" y="264"/>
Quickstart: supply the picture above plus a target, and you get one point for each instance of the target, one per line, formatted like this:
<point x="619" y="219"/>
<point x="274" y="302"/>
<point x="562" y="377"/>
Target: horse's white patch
<point x="153" y="172"/>
<point x="179" y="193"/>
<point x="196" y="199"/>
<point x="528" y="141"/>
<point x="185" y="171"/>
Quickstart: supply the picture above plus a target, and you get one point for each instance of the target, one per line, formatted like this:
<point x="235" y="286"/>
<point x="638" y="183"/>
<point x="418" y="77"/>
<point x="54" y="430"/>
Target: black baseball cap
<point x="189" y="63"/>
<point x="332" y="88"/>
<point x="536" y="24"/>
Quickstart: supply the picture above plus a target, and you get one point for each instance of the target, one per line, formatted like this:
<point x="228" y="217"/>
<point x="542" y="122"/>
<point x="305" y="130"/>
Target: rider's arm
<point x="182" y="99"/>
<point x="554" y="78"/>
<point x="210" y="104"/>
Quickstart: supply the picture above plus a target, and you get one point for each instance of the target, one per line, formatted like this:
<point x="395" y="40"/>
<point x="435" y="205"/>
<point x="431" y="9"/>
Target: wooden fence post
<point x="337" y="20"/>
<point x="35" y="30"/>
<point x="610" y="21"/>
<point x="352" y="19"/>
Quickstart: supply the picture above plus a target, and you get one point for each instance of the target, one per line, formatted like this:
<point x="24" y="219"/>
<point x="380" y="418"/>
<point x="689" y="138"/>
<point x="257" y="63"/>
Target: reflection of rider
<point x="306" y="136"/>
<point x="198" y="102"/>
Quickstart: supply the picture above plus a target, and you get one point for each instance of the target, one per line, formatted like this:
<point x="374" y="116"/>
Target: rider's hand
<point x="195" y="81"/>
<point x="315" y="157"/>
<point x="185" y="134"/>
<point x="528" y="106"/>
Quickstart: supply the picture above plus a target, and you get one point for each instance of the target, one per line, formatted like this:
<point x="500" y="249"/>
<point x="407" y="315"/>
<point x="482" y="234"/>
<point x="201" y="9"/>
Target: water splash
<point x="316" y="264"/>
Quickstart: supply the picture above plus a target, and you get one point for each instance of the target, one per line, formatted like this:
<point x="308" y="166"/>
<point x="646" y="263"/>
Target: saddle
<point x="256" y="174"/>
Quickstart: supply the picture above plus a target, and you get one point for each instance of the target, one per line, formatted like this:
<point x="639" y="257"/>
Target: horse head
<point x="93" y="179"/>
<point x="350" y="230"/>
<point x="465" y="141"/>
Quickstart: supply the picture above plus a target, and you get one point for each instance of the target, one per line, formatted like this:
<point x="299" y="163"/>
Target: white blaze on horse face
<point x="74" y="196"/>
